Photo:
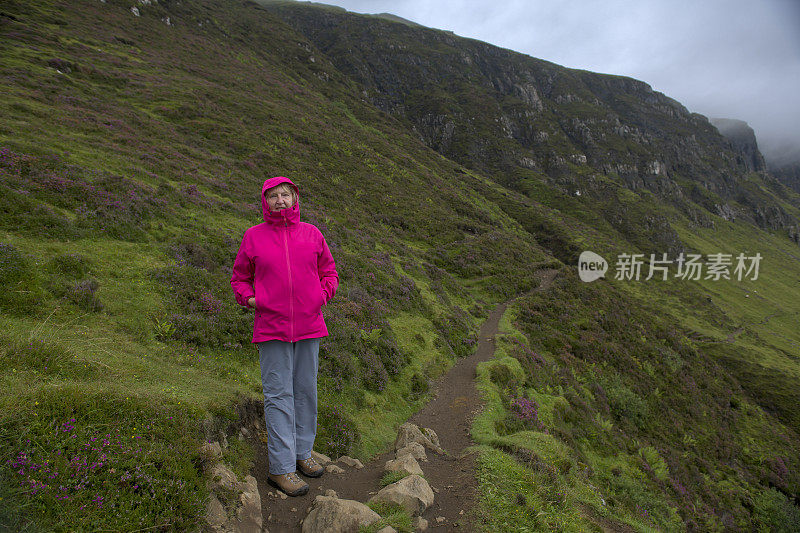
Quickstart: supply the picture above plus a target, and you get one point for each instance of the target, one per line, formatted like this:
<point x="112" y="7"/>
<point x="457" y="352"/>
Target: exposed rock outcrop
<point x="234" y="505"/>
<point x="743" y="138"/>
<point x="330" y="514"/>
<point x="243" y="514"/>
<point x="412" y="493"/>
<point x="404" y="463"/>
<point x="410" y="433"/>
<point x="413" y="449"/>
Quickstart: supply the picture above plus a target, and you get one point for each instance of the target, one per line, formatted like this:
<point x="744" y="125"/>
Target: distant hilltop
<point x="743" y="138"/>
<point x="781" y="159"/>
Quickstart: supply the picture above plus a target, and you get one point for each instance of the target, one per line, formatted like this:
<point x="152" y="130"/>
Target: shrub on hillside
<point x="360" y="343"/>
<point x="335" y="361"/>
<point x="20" y="213"/>
<point x="382" y="343"/>
<point x="521" y="414"/>
<point x="336" y="432"/>
<point x="503" y="262"/>
<point x="204" y="311"/>
<point x="774" y="512"/>
<point x="208" y="252"/>
<point x="374" y="373"/>
<point x="67" y="279"/>
<point x="37" y="190"/>
<point x="626" y="405"/>
<point x="19" y="277"/>
<point x="502" y="376"/>
<point x="455" y="330"/>
<point x="84" y="295"/>
<point x="531" y="362"/>
<point x="527" y="411"/>
<point x="72" y="266"/>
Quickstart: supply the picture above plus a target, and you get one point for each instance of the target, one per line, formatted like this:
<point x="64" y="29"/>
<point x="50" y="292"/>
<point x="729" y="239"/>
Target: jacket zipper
<point x="289" y="272"/>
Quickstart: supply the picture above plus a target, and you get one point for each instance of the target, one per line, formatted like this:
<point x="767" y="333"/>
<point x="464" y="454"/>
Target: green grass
<point x="391" y="515"/>
<point x="604" y="468"/>
<point x="167" y="134"/>
<point x="392" y="477"/>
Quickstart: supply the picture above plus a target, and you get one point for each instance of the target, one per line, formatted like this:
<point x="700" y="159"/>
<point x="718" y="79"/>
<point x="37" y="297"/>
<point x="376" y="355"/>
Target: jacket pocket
<point x="261" y="298"/>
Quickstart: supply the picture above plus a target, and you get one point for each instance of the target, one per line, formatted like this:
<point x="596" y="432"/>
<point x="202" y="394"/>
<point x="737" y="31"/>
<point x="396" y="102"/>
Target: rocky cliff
<point x="743" y="138"/>
<point x="526" y="121"/>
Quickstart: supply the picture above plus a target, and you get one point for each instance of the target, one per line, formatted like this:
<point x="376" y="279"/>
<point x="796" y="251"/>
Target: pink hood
<point x="287" y="266"/>
<point x="278" y="217"/>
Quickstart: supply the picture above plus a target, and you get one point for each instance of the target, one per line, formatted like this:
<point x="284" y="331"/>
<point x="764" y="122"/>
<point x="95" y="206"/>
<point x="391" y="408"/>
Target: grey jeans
<point x="289" y="379"/>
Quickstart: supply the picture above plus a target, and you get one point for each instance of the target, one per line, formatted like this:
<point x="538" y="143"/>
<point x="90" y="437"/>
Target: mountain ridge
<point x="524" y="118"/>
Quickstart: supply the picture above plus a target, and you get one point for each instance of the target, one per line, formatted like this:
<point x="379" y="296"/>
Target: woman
<point x="284" y="270"/>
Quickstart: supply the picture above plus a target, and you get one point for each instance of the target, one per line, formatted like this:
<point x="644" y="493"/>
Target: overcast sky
<point x="722" y="58"/>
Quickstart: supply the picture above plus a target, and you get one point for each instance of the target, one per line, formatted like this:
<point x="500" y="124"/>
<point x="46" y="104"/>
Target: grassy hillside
<point x="132" y="151"/>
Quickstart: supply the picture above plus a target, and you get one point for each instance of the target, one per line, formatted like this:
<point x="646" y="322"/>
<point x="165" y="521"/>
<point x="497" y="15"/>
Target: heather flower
<point x="527" y="411"/>
<point x="210" y="304"/>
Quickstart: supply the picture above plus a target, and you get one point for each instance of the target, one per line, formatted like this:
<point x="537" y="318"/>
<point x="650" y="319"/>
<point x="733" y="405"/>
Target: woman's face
<point x="279" y="197"/>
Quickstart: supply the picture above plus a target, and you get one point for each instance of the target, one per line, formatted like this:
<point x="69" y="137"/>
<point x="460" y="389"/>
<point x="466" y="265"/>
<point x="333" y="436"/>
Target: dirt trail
<point x="449" y="413"/>
<point x="732" y="336"/>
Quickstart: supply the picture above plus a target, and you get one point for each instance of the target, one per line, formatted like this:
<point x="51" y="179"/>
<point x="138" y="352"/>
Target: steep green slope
<point x="132" y="157"/>
<point x="132" y="149"/>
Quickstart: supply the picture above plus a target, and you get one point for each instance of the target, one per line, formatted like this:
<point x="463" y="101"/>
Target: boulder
<point x="412" y="493"/>
<point x="333" y="515"/>
<point x="222" y="476"/>
<point x="349" y="461"/>
<point x="320" y="458"/>
<point x="215" y="514"/>
<point x="404" y="463"/>
<point x="210" y="452"/>
<point x="334" y="469"/>
<point x="410" y="433"/>
<point x="244" y="516"/>
<point x="419" y="524"/>
<point x="249" y="513"/>
<point x="413" y="449"/>
<point x="432" y="436"/>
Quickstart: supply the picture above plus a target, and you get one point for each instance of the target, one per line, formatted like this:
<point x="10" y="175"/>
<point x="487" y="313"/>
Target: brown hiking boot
<point x="289" y="483"/>
<point x="310" y="468"/>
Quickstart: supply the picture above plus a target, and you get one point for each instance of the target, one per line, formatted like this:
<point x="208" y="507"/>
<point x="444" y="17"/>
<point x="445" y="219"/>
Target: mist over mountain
<point x="781" y="158"/>
<point x="744" y="139"/>
<point x="783" y="162"/>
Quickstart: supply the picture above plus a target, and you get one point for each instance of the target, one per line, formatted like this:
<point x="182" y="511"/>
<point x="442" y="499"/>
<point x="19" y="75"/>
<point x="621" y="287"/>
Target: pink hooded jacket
<point x="287" y="266"/>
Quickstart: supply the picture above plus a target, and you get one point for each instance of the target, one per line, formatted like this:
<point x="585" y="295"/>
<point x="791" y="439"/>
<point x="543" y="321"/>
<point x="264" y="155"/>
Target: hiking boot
<point x="310" y="468"/>
<point x="289" y="483"/>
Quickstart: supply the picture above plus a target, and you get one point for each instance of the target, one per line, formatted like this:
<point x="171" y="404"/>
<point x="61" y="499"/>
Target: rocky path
<point x="451" y="474"/>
